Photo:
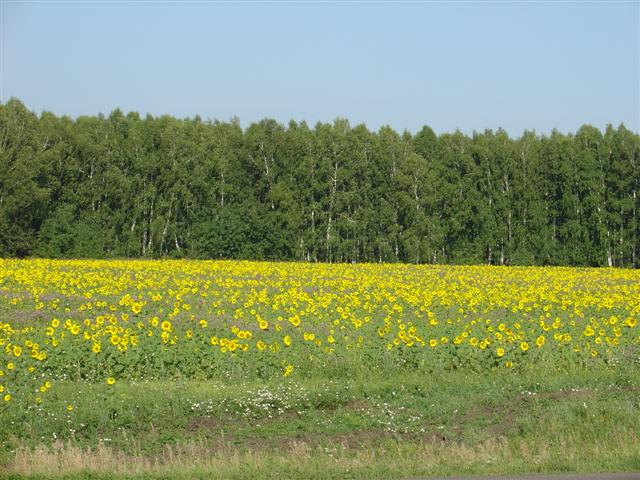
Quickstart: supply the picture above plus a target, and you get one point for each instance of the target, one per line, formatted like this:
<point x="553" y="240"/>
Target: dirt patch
<point x="348" y="405"/>
<point x="212" y="424"/>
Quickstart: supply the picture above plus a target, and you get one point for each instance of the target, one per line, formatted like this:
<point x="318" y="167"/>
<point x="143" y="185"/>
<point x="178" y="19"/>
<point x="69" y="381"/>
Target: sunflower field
<point x="112" y="321"/>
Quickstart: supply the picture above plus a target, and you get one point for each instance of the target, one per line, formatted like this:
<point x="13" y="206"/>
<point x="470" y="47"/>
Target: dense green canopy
<point x="126" y="186"/>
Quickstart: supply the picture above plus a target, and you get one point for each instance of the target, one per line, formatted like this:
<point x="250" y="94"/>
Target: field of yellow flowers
<point x="105" y="321"/>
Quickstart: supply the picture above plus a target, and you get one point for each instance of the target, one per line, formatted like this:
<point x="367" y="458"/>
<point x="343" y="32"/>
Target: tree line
<point x="127" y="186"/>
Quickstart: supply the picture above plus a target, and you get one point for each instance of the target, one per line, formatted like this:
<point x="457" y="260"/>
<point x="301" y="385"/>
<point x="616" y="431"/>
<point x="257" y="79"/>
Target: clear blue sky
<point x="534" y="65"/>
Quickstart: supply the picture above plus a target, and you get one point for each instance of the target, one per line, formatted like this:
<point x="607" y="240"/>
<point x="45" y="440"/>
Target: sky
<point x="454" y="65"/>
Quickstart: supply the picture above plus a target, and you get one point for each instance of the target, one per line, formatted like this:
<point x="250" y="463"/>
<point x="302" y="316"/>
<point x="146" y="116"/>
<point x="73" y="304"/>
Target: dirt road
<point x="590" y="476"/>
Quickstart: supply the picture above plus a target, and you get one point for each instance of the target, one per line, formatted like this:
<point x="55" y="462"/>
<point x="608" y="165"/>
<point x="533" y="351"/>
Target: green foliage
<point x="374" y="426"/>
<point x="126" y="186"/>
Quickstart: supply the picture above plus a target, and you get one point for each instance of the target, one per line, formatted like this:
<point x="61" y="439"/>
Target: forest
<point x="127" y="186"/>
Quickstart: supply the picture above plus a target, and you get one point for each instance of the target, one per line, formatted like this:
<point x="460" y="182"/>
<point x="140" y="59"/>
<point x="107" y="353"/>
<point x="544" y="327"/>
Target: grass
<point x="369" y="426"/>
